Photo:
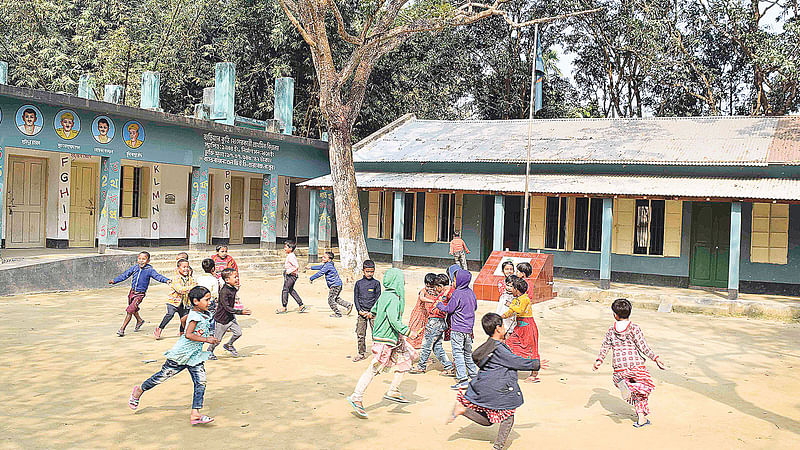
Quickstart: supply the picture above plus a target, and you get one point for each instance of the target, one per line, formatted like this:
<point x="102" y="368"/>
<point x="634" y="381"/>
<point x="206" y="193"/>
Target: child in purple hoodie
<point x="461" y="308"/>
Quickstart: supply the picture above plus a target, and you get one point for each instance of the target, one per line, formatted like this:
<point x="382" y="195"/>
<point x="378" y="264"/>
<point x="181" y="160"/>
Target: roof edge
<point x="385" y="130"/>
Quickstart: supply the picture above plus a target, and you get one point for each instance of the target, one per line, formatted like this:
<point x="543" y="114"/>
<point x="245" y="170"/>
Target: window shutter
<point x="623" y="225"/>
<point x="388" y="214"/>
<point x="144" y="191"/>
<point x="372" y="216"/>
<point x="778" y="234"/>
<point x="569" y="243"/>
<point x="673" y="218"/>
<point x="459" y="210"/>
<point x="255" y="208"/>
<point x="538" y="207"/>
<point x="127" y="191"/>
<point x="431" y="217"/>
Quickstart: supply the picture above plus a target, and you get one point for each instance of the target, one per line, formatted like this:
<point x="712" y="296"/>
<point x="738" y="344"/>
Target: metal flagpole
<point x="525" y="231"/>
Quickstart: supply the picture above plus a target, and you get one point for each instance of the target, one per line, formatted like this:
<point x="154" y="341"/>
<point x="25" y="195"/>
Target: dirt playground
<point x="66" y="378"/>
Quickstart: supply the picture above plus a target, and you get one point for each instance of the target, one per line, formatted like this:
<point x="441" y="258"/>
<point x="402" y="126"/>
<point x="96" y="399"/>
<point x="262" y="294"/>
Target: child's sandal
<point x="395" y="397"/>
<point x="202" y="420"/>
<point x="133" y="402"/>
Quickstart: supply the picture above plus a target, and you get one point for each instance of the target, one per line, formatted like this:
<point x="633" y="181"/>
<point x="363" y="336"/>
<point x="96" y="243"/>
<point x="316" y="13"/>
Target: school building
<point x="707" y="202"/>
<point x="79" y="172"/>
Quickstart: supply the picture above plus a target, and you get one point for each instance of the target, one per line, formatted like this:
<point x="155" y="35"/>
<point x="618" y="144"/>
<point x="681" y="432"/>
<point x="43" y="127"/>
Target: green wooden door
<point x="711" y="224"/>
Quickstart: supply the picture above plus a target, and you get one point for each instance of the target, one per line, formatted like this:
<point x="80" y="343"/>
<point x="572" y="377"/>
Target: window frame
<point x="451" y="217"/>
<point x="598" y="202"/>
<point x="410" y="209"/>
<point x="562" y="223"/>
<point x="138" y="189"/>
<point x="649" y="227"/>
<point x="258" y="183"/>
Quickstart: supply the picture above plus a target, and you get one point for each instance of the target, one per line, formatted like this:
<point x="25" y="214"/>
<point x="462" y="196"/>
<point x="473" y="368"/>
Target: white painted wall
<point x="174" y="180"/>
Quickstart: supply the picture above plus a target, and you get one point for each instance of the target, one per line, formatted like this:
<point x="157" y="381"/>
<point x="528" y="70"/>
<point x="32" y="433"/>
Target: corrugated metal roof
<point x="781" y="189"/>
<point x="785" y="147"/>
<point x="683" y="141"/>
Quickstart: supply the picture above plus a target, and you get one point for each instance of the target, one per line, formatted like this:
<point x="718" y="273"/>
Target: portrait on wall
<point x="29" y="120"/>
<point x="133" y="134"/>
<point x="67" y="124"/>
<point x="103" y="129"/>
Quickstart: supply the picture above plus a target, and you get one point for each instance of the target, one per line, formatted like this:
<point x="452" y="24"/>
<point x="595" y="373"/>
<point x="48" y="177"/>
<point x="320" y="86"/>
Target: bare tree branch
<point x="347" y="37"/>
<point x="306" y="37"/>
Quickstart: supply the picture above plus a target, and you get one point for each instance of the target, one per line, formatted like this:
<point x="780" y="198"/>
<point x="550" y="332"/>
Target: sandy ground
<point x="66" y="377"/>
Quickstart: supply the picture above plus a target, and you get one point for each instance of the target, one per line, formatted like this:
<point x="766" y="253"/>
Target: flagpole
<point x="525" y="230"/>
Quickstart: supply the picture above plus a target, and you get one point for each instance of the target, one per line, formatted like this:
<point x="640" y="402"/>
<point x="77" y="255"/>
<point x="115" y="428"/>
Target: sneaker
<point x="120" y="333"/>
<point x="231" y="349"/>
<point x="303" y="309"/>
<point x="212" y="357"/>
<point x="460" y="386"/>
<point x="335" y="315"/>
<point x="349" y="309"/>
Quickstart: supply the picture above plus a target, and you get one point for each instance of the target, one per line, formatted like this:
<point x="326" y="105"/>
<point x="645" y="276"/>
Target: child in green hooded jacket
<point x="389" y="348"/>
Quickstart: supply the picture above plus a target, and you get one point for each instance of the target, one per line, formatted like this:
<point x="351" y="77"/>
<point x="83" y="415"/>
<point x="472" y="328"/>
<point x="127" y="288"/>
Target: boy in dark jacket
<point x="141" y="273"/>
<point x="225" y="317"/>
<point x="334" y="284"/>
<point x="365" y="294"/>
<point x="494" y="395"/>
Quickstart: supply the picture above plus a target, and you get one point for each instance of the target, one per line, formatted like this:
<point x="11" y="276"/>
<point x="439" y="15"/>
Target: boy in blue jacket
<point x="141" y="273"/>
<point x="334" y="284"/>
<point x="494" y="395"/>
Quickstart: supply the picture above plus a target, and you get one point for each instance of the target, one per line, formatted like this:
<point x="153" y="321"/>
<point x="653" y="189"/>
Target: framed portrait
<point x="103" y="129"/>
<point x="29" y="120"/>
<point x="67" y="124"/>
<point x="133" y="134"/>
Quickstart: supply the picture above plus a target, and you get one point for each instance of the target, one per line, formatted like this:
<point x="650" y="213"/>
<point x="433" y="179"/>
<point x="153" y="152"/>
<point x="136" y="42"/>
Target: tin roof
<point x="676" y="141"/>
<point x="780" y="189"/>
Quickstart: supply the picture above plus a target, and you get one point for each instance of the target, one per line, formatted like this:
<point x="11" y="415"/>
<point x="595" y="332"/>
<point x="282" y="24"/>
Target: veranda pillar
<point x="108" y="231"/>
<point x="398" y="227"/>
<point x="198" y="224"/>
<point x="313" y="221"/>
<point x="735" y="250"/>
<point x="499" y="222"/>
<point x="269" y="211"/>
<point x="605" y="245"/>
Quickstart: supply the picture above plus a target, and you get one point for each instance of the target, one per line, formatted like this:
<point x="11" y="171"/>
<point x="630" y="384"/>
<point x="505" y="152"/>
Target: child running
<point x="290" y="268"/>
<point x="461" y="307"/>
<point x="523" y="341"/>
<point x="629" y="349"/>
<point x="225" y="317"/>
<point x="210" y="282"/>
<point x="419" y="315"/>
<point x="187" y="354"/>
<point x="435" y="332"/>
<point x="504" y="286"/>
<point x="334" y="284"/>
<point x="222" y="261"/>
<point x="459" y="250"/>
<point x="178" y="300"/>
<point x="494" y="395"/>
<point x="141" y="273"/>
<point x="365" y="294"/>
<point x="184" y="255"/>
<point x="389" y="348"/>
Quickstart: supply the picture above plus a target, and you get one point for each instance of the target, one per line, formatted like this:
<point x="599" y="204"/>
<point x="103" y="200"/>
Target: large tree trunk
<point x="352" y="246"/>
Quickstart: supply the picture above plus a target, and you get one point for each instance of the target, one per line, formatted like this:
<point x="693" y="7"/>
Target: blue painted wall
<point x="777" y="273"/>
<point x="471" y="230"/>
<point x="163" y="142"/>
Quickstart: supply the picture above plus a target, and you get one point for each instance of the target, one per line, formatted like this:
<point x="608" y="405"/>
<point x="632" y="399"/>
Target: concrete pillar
<point x="325" y="226"/>
<point x="86" y="87"/>
<point x="735" y="250"/>
<point x="605" y="245"/>
<point x="198" y="225"/>
<point x="284" y="103"/>
<point x="313" y="222"/>
<point x="108" y="234"/>
<point x="113" y="93"/>
<point x="269" y="210"/>
<point x="2" y="189"/>
<point x="3" y="72"/>
<point x="155" y="203"/>
<point x="224" y="92"/>
<point x="64" y="188"/>
<point x="499" y="222"/>
<point x="151" y="88"/>
<point x="397" y="231"/>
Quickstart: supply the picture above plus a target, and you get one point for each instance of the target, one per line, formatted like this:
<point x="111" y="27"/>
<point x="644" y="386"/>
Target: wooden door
<point x="237" y="210"/>
<point x="82" y="205"/>
<point x="26" y="202"/>
<point x="711" y="224"/>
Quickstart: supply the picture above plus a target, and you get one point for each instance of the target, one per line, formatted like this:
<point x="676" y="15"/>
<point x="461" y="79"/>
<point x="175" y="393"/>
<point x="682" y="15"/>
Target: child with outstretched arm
<point x="494" y="394"/>
<point x="142" y="272"/>
<point x="629" y="348"/>
<point x="187" y="354"/>
<point x="334" y="284"/>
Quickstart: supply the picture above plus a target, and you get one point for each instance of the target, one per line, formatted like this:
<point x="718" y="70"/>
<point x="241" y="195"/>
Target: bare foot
<point x="458" y="410"/>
